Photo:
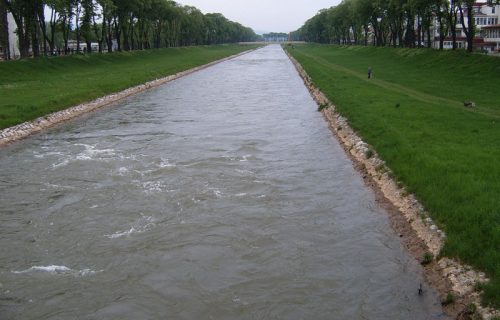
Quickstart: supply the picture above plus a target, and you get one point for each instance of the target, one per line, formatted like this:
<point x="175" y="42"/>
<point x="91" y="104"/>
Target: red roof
<point x="492" y="26"/>
<point x="458" y="39"/>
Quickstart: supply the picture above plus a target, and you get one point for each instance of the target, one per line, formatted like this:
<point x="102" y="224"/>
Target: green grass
<point x="412" y="113"/>
<point x="36" y="87"/>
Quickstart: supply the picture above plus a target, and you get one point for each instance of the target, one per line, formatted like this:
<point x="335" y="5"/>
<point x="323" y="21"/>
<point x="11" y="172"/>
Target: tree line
<point x="123" y="24"/>
<point x="403" y="23"/>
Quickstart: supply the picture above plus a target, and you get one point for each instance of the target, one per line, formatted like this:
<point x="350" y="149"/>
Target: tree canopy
<point x="405" y="23"/>
<point x="120" y="24"/>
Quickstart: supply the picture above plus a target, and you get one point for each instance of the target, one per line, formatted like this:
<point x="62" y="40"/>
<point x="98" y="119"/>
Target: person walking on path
<point x="369" y="72"/>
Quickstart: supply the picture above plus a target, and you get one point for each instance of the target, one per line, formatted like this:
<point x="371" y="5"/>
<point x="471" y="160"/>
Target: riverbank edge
<point x="26" y="129"/>
<point x="408" y="217"/>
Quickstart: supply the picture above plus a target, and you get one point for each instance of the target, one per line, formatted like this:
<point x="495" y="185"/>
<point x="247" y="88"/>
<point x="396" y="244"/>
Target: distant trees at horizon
<point x="404" y="23"/>
<point x="123" y="24"/>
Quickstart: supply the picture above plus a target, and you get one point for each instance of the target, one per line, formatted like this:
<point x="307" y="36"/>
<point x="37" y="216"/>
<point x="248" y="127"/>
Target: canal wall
<point x="408" y="217"/>
<point x="28" y="128"/>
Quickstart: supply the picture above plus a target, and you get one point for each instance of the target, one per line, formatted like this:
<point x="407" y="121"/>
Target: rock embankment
<point x="409" y="218"/>
<point x="25" y="129"/>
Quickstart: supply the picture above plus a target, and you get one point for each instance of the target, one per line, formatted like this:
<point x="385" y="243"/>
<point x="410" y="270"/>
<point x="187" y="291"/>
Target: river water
<point x="221" y="195"/>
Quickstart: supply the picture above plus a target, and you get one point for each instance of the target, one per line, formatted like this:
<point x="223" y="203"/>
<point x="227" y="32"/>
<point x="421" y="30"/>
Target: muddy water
<point x="218" y="196"/>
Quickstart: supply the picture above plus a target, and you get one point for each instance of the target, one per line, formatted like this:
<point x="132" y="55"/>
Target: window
<point x="493" y="9"/>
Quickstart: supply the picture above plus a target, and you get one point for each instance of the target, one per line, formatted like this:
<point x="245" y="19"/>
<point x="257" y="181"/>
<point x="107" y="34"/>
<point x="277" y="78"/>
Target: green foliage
<point x="427" y="258"/>
<point x="369" y="153"/>
<point x="446" y="154"/>
<point x="322" y="106"/>
<point x="470" y="309"/>
<point x="385" y="22"/>
<point x="132" y="24"/>
<point x="450" y="298"/>
<point x="36" y="87"/>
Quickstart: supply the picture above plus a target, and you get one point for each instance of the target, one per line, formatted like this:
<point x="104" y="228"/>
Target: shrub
<point x="369" y="153"/>
<point x="427" y="258"/>
<point x="450" y="298"/>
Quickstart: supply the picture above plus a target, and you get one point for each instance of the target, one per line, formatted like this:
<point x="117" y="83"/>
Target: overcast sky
<point x="264" y="15"/>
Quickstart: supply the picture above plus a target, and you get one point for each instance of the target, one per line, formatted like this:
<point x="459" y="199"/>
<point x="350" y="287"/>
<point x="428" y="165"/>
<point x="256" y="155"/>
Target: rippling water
<point x="222" y="195"/>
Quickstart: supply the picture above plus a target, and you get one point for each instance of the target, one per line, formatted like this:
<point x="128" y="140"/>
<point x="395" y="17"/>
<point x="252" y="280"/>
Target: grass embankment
<point x="36" y="87"/>
<point x="412" y="113"/>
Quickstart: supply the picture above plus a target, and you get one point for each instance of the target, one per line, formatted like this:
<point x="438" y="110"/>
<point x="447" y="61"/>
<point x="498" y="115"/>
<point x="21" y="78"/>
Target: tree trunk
<point x="109" y="38"/>
<point x="35" y="42"/>
<point x="410" y="31"/>
<point x="40" y="14"/>
<point x="469" y="30"/>
<point x="429" y="40"/>
<point x="53" y="25"/>
<point x="78" y="33"/>
<point x="23" y="33"/>
<point x="124" y="30"/>
<point x="118" y="33"/>
<point x="4" y="32"/>
<point x="419" y="32"/>
<point x="366" y="36"/>
<point x="132" y="33"/>
<point x="442" y="30"/>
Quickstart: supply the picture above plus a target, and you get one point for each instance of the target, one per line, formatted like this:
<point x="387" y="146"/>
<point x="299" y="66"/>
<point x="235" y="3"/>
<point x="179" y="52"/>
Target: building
<point x="73" y="45"/>
<point x="13" y="39"/>
<point x="13" y="49"/>
<point x="487" y="22"/>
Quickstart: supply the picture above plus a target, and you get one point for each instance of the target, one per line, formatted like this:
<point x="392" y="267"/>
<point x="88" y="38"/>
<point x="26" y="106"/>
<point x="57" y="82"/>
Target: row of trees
<point x="405" y="23"/>
<point x="129" y="24"/>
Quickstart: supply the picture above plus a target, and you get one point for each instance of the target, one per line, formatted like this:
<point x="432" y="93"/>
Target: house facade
<point x="487" y="23"/>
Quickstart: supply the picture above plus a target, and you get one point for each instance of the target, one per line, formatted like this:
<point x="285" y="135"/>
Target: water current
<point x="221" y="195"/>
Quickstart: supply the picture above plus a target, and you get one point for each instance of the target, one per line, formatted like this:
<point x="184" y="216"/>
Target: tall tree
<point x="469" y="27"/>
<point x="4" y="31"/>
<point x="88" y="13"/>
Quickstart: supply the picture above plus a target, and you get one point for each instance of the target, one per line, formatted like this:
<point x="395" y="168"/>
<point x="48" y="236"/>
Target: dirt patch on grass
<point x="28" y="128"/>
<point x="454" y="281"/>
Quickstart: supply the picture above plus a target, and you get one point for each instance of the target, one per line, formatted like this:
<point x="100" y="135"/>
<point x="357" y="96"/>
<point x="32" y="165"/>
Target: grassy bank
<point x="36" y="87"/>
<point x="412" y="112"/>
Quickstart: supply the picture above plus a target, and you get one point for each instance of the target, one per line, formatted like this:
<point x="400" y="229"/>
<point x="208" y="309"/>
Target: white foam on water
<point x="245" y="171"/>
<point x="245" y="158"/>
<point x="142" y="225"/>
<point x="60" y="164"/>
<point x="165" y="163"/>
<point x="240" y="195"/>
<point x="90" y="152"/>
<point x="56" y="186"/>
<point x="54" y="269"/>
<point x="154" y="187"/>
<point x="122" y="170"/>
<point x="195" y="200"/>
<point x="88" y="272"/>
<point x="121" y="234"/>
<point x="218" y="193"/>
<point x="50" y="269"/>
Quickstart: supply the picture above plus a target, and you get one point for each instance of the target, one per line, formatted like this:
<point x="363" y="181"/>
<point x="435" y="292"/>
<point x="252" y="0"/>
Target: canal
<point x="221" y="195"/>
